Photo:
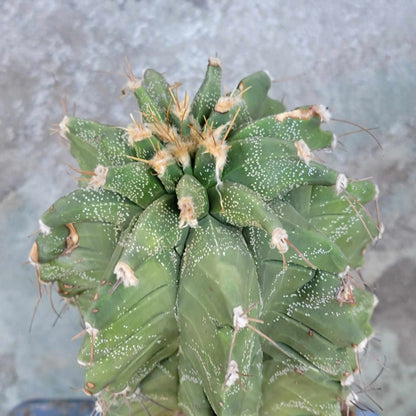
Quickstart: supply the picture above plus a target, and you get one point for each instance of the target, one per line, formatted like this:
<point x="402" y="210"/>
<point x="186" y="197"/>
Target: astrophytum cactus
<point x="212" y="256"/>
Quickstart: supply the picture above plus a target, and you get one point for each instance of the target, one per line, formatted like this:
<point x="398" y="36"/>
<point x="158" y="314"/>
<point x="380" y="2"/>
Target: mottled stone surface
<point x="358" y="58"/>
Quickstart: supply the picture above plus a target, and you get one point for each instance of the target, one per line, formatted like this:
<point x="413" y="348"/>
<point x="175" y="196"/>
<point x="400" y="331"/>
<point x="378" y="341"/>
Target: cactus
<point x="211" y="255"/>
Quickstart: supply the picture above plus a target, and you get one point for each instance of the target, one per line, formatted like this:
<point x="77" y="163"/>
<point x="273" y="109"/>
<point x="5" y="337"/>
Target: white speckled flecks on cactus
<point x="357" y="59"/>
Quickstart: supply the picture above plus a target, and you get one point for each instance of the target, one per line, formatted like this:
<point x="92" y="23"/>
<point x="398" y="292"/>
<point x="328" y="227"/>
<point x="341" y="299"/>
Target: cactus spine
<point x="211" y="255"/>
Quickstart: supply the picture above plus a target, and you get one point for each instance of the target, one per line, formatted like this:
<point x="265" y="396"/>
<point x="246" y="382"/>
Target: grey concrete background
<point x="359" y="58"/>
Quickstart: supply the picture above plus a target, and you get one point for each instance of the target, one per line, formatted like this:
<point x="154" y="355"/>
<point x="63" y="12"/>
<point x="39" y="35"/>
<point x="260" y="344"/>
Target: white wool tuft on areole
<point x="99" y="178"/>
<point x="341" y="183"/>
<point x="133" y="84"/>
<point x="348" y="381"/>
<point x="90" y="330"/>
<point x="82" y="363"/>
<point x="187" y="212"/>
<point x="213" y="61"/>
<point x="137" y="133"/>
<point x="63" y="127"/>
<point x="44" y="229"/>
<point x="240" y="319"/>
<point x="323" y="112"/>
<point x="360" y="348"/>
<point x="125" y="273"/>
<point x="279" y="240"/>
<point x="303" y="151"/>
<point x="345" y="272"/>
<point x="232" y="373"/>
<point x="375" y="301"/>
<point x="226" y="102"/>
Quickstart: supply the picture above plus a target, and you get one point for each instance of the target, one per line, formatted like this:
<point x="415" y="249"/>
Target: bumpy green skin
<point x="158" y="255"/>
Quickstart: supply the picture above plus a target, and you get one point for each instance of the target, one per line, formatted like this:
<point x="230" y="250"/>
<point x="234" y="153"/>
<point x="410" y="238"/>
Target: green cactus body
<point x="211" y="256"/>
